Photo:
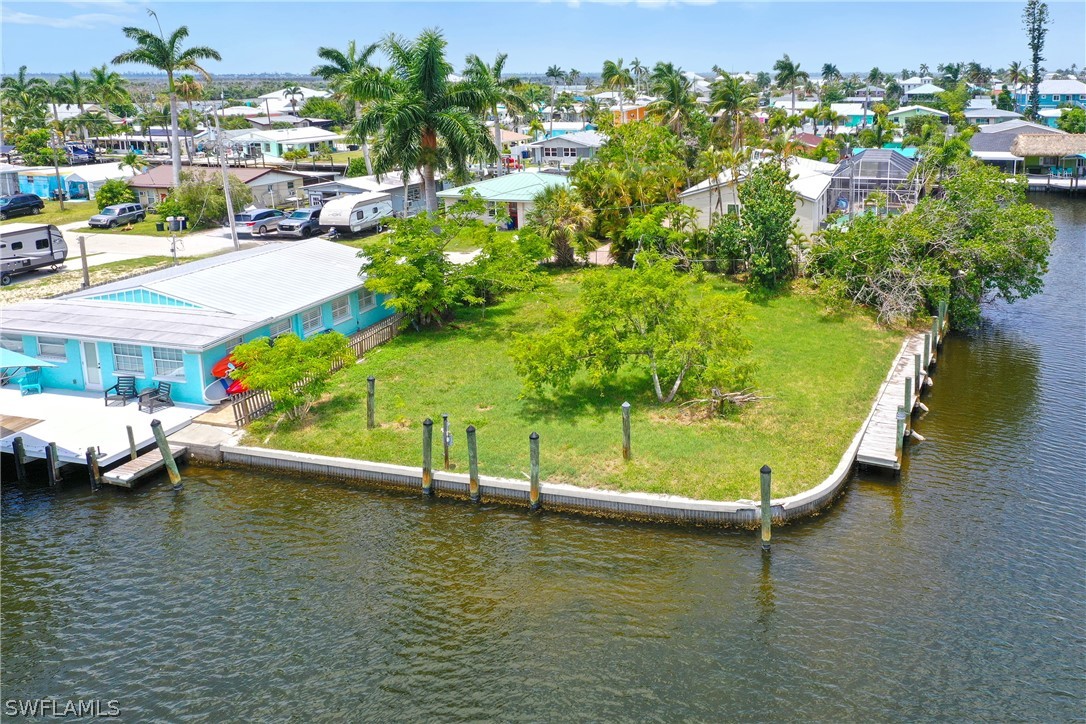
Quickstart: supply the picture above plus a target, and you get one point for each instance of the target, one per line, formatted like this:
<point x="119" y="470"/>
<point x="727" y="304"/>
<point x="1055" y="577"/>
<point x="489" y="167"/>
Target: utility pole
<point x="221" y="147"/>
<point x="54" y="144"/>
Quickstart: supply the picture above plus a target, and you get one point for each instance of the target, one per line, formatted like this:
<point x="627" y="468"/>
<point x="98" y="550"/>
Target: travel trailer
<point x="25" y="247"/>
<point x="356" y="212"/>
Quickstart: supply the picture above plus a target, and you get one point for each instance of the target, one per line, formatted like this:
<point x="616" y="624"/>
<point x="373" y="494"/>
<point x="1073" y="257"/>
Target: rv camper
<point x="26" y="247"/>
<point x="356" y="212"/>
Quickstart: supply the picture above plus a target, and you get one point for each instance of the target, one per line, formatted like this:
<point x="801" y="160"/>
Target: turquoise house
<point x="1054" y="93"/>
<point x="174" y="324"/>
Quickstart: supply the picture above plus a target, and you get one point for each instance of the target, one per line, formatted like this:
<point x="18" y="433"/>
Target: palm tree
<point x="559" y="215"/>
<point x="638" y="71"/>
<point x="95" y="123"/>
<point x="925" y="72"/>
<point x="789" y="75"/>
<point x="156" y="116"/>
<point x="134" y="161"/>
<point x="555" y="74"/>
<point x="189" y="89"/>
<point x="591" y="110"/>
<point x="292" y="92"/>
<point x="339" y="68"/>
<point x="498" y="91"/>
<point x="422" y="119"/>
<point x="735" y="100"/>
<point x="54" y="95"/>
<point x="165" y="54"/>
<point x="1016" y="76"/>
<point x="572" y="76"/>
<point x="830" y="72"/>
<point x="77" y="91"/>
<point x="676" y="102"/>
<point x="107" y="87"/>
<point x="616" y="77"/>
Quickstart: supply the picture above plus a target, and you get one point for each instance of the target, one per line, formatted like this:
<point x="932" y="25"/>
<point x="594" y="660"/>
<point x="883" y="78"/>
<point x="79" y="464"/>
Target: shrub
<point x="115" y="191"/>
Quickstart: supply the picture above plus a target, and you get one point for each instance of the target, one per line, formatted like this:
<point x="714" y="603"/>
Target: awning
<point x="996" y="156"/>
<point x="10" y="358"/>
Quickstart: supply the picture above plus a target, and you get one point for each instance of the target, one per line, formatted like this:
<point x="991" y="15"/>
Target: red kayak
<point x="236" y="388"/>
<point x="224" y="367"/>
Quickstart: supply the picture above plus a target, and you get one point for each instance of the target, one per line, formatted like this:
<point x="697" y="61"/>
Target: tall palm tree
<point x="77" y="91"/>
<point x="925" y="72"/>
<point x="55" y="94"/>
<point x="293" y="93"/>
<point x="421" y="118"/>
<point x="591" y="110"/>
<point x="789" y="75"/>
<point x="189" y="89"/>
<point x="735" y="100"/>
<point x="134" y="161"/>
<point x="572" y="76"/>
<point x="830" y="72"/>
<point x="638" y="71"/>
<point x="107" y="87"/>
<point x="555" y="74"/>
<point x="339" y="68"/>
<point x="498" y="91"/>
<point x="1017" y="73"/>
<point x="165" y="54"/>
<point x="676" y="101"/>
<point x="616" y="77"/>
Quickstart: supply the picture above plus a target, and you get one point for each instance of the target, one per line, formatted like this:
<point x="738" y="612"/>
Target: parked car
<point x="17" y="204"/>
<point x="118" y="214"/>
<point x="258" y="221"/>
<point x="301" y="223"/>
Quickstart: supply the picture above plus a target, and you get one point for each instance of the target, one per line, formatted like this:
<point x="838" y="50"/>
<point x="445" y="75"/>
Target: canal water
<point x="956" y="592"/>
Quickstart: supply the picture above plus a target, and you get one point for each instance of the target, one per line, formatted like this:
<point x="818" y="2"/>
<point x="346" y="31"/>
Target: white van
<point x="356" y="212"/>
<point x="26" y="247"/>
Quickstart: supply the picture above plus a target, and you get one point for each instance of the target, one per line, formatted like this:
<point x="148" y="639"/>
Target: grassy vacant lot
<point x="820" y="373"/>
<point x="51" y="214"/>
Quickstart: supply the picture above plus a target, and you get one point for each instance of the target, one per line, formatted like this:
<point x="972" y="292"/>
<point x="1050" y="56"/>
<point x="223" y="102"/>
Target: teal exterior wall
<point x="68" y="374"/>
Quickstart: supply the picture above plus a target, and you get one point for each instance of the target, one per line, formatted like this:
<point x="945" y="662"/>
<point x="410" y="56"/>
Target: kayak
<point x="236" y="388"/>
<point x="224" y="367"/>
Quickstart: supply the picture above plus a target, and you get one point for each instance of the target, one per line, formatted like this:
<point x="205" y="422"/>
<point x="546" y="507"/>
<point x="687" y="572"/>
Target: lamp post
<point x="54" y="144"/>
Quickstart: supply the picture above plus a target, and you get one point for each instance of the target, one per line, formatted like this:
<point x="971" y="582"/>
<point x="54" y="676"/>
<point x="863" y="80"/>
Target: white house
<point x="567" y="149"/>
<point x="277" y="142"/>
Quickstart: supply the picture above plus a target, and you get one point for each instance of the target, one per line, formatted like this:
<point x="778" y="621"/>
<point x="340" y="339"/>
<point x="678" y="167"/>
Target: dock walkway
<point x="127" y="475"/>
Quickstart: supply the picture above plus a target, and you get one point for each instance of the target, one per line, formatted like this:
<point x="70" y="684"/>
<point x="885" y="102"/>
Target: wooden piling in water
<point x="533" y="486"/>
<point x="900" y="442"/>
<point x="767" y="512"/>
<point x="92" y="469"/>
<point x="446" y="437"/>
<point x="19" y="452"/>
<point x="927" y="350"/>
<point x="916" y="373"/>
<point x="51" y="463"/>
<point x="626" y="452"/>
<point x="371" y="403"/>
<point x="908" y="400"/>
<point x="934" y="337"/>
<point x="167" y="454"/>
<point x="427" y="461"/>
<point x="131" y="443"/>
<point x="473" y="466"/>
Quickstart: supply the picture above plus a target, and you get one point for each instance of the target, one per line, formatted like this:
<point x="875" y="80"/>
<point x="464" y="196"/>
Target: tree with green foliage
<point x="980" y="240"/>
<point x="235" y="123"/>
<point x="767" y="207"/>
<point x="734" y="101"/>
<point x="497" y="90"/>
<point x="669" y="230"/>
<point x="616" y="77"/>
<point x="295" y="155"/>
<point x="340" y="70"/>
<point x="1004" y="101"/>
<point x="1072" y="120"/>
<point x="790" y="75"/>
<point x="559" y="216"/>
<point x="294" y="372"/>
<point x="648" y="316"/>
<point x="34" y="148"/>
<point x="356" y="167"/>
<point x="201" y="199"/>
<point x="115" y="191"/>
<point x="324" y="108"/>
<point x="1035" y="19"/>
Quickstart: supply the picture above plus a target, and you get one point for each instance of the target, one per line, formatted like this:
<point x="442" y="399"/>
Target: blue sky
<point x="283" y="36"/>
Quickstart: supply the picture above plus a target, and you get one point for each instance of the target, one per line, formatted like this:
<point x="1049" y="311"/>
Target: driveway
<point x="117" y="246"/>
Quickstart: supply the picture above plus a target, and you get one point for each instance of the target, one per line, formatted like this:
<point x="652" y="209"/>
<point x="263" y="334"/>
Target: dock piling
<point x="19" y="452"/>
<point x="900" y="443"/>
<point x="427" y="457"/>
<point x="916" y="373"/>
<point x="371" y="403"/>
<point x="927" y="351"/>
<point x="473" y="466"/>
<point x="446" y="437"/>
<point x="767" y="513"/>
<point x="533" y="489"/>
<point x="626" y="431"/>
<point x="131" y="443"/>
<point x="92" y="469"/>
<point x="51" y="463"/>
<point x="934" y="336"/>
<point x="167" y="454"/>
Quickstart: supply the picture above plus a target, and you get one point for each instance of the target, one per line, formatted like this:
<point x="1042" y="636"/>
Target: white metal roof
<point x="906" y="109"/>
<point x="309" y="134"/>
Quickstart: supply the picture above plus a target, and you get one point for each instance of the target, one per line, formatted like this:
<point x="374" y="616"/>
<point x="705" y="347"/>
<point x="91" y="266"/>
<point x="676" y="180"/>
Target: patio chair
<point x="30" y="382"/>
<point x="124" y="390"/>
<point x="155" y="398"/>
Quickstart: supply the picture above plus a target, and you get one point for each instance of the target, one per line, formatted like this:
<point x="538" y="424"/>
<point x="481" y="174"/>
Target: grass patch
<point x="821" y="375"/>
<point x="143" y="228"/>
<point x="51" y="214"/>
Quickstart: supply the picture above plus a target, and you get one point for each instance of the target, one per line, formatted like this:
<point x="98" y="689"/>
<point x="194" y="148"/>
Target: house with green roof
<point x="509" y="195"/>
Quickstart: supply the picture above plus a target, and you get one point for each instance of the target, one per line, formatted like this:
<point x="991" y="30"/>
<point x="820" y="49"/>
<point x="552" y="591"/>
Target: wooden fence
<point x="252" y="405"/>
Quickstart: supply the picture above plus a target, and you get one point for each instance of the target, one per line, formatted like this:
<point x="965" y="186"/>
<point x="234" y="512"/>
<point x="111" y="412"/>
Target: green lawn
<point x="144" y="228"/>
<point x="51" y="214"/>
<point x="820" y="375"/>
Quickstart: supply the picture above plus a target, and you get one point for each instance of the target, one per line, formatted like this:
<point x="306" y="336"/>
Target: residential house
<point x="629" y="112"/>
<point x="878" y="169"/>
<point x="904" y="113"/>
<point x="927" y="91"/>
<point x="855" y="114"/>
<point x="1054" y="93"/>
<point x="174" y="324"/>
<point x="1058" y="154"/>
<point x="993" y="145"/>
<point x="510" y="195"/>
<point x="270" y="186"/>
<point x="277" y="142"/>
<point x="79" y="182"/>
<point x="268" y="123"/>
<point x="987" y="115"/>
<point x="810" y="180"/>
<point x="279" y="102"/>
<point x="567" y="149"/>
<point x="915" y="82"/>
<point x="1051" y="116"/>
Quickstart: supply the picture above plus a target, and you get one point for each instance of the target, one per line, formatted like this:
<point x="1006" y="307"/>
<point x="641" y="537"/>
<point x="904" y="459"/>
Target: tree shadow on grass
<point x="583" y="398"/>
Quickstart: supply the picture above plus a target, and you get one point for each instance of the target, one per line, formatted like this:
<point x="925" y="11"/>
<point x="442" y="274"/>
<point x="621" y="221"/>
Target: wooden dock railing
<point x="252" y="405"/>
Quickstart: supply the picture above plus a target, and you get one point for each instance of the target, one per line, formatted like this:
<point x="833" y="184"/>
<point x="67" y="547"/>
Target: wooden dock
<point x="127" y="475"/>
<point x="884" y="437"/>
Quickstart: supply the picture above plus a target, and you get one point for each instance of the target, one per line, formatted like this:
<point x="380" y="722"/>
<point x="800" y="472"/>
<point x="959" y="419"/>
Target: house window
<point x="128" y="358"/>
<point x="266" y="147"/>
<point x="491" y="209"/>
<point x="168" y="363"/>
<point x="312" y="321"/>
<point x="1055" y="97"/>
<point x="413" y="193"/>
<point x="53" y="348"/>
<point x="570" y="152"/>
<point x="550" y="152"/>
<point x="278" y="329"/>
<point x="341" y="309"/>
<point x="233" y="343"/>
<point x="366" y="299"/>
<point x="13" y="342"/>
<point x="290" y="185"/>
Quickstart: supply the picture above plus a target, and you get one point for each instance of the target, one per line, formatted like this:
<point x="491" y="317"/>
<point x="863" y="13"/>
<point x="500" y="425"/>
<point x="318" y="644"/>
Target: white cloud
<point x="81" y="20"/>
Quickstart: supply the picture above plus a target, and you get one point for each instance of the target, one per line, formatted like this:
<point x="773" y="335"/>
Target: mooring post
<point x="446" y="437"/>
<point x="900" y="442"/>
<point x="934" y="335"/>
<point x="167" y="454"/>
<point x="131" y="443"/>
<point x="473" y="466"/>
<point x="927" y="350"/>
<point x="427" y="452"/>
<point x="916" y="373"/>
<point x="625" y="430"/>
<point x="767" y="513"/>
<point x="19" y="452"/>
<point x="942" y="315"/>
<point x="92" y="468"/>
<point x="371" y="404"/>
<point x="533" y="487"/>
<point x="908" y="400"/>
<point x="51" y="463"/>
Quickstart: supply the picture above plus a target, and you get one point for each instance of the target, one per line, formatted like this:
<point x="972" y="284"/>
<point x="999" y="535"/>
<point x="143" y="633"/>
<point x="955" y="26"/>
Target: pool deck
<point x="76" y="421"/>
